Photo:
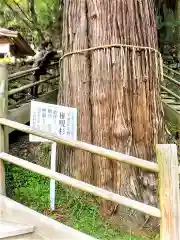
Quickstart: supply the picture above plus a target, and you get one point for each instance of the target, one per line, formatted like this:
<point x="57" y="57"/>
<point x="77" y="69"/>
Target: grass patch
<point x="73" y="208"/>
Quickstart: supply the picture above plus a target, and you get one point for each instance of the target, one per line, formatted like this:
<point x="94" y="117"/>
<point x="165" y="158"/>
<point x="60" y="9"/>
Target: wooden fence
<point x="50" y="81"/>
<point x="172" y="81"/>
<point x="166" y="167"/>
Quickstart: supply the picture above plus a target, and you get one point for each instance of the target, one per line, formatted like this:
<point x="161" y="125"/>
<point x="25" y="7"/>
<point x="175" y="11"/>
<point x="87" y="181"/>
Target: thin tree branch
<point x="22" y="11"/>
<point x="16" y="14"/>
<point x="35" y="25"/>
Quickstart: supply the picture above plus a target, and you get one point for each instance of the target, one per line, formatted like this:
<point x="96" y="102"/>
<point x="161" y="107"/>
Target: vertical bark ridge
<point x="75" y="92"/>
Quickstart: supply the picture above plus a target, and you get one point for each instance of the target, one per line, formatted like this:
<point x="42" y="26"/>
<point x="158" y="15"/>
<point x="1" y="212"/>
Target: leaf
<point x="16" y="14"/>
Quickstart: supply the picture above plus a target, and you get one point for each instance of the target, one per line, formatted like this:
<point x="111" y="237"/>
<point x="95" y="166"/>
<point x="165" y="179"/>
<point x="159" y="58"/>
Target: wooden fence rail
<point x="166" y="167"/>
<point x="171" y="70"/>
<point x="82" y="185"/>
<point x="44" y="92"/>
<point x="137" y="162"/>
<point x="170" y="92"/>
<point x="27" y="72"/>
<point x="20" y="89"/>
<point x="172" y="80"/>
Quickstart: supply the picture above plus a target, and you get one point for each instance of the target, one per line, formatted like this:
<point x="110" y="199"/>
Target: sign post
<point x="55" y="119"/>
<point x="52" y="182"/>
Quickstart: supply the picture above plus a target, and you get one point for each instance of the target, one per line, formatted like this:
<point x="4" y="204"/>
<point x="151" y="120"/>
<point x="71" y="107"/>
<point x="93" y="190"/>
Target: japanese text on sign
<point x="58" y="120"/>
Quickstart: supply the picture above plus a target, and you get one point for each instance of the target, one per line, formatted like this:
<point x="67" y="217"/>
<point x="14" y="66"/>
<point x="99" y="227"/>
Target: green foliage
<point x="31" y="21"/>
<point x="74" y="208"/>
<point x="28" y="188"/>
<point x="46" y="12"/>
<point x="6" y="60"/>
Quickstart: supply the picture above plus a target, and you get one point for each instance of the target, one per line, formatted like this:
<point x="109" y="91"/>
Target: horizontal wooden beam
<point x="27" y="72"/>
<point x="82" y="185"/>
<point x="137" y="162"/>
<point x="170" y="92"/>
<point x="20" y="89"/>
<point x="46" y="227"/>
<point x="172" y="80"/>
<point x="20" y="74"/>
<point x="171" y="70"/>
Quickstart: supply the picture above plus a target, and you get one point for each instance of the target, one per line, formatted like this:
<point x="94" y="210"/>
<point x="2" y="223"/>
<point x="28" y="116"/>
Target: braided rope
<point x="109" y="46"/>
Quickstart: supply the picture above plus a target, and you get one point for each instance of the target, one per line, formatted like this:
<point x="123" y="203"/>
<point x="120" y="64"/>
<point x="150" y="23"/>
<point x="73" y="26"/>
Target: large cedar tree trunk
<point x="116" y="90"/>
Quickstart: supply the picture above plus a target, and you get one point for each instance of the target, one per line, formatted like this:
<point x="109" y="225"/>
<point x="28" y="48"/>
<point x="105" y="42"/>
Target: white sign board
<point x="58" y="120"/>
<point x="4" y="48"/>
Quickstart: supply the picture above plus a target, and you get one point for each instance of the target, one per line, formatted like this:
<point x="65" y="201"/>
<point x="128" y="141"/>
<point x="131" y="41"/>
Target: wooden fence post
<point x="169" y="191"/>
<point x="3" y="114"/>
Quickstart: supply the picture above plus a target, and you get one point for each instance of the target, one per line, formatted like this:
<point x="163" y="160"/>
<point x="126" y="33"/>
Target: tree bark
<point x="116" y="90"/>
<point x="75" y="88"/>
